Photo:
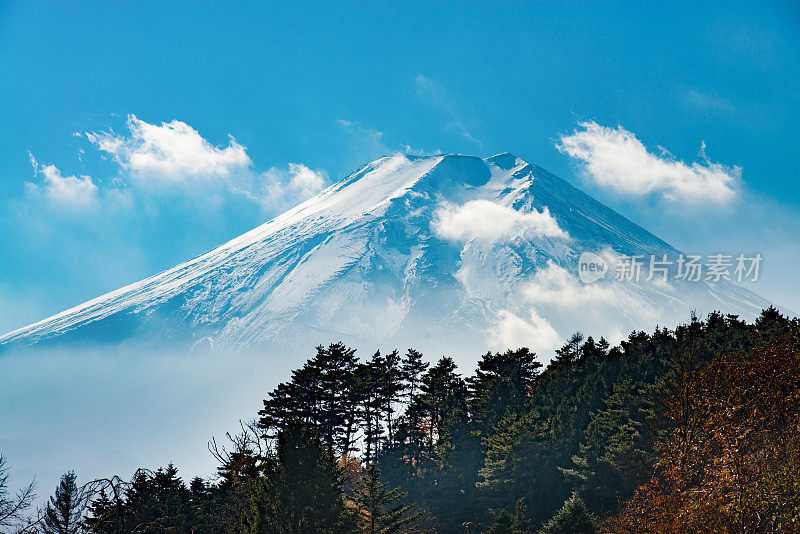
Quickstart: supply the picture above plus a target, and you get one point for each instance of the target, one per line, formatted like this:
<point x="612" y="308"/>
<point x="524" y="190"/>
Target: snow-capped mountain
<point x="445" y="251"/>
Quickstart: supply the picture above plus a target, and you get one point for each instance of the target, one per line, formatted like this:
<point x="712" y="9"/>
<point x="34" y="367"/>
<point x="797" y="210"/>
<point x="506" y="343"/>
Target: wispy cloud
<point x="615" y="158"/>
<point x="556" y="286"/>
<point x="512" y="331"/>
<point x="435" y="94"/>
<point x="606" y="308"/>
<point x="170" y="151"/>
<point x="487" y="221"/>
<point x="707" y="100"/>
<point x="173" y="158"/>
<point x="65" y="191"/>
<point x="366" y="144"/>
<point x="281" y="188"/>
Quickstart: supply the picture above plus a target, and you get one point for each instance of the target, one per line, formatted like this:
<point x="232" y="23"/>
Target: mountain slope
<point x="372" y="260"/>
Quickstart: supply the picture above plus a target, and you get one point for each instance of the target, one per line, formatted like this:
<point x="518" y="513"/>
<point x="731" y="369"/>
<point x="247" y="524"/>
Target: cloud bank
<point x="487" y="221"/>
<point x="615" y="158"/>
<point x="555" y="302"/>
<point x="170" y="151"/>
<point x="556" y="286"/>
<point x="281" y="188"/>
<point x="64" y="191"/>
<point x="535" y="332"/>
<point x="179" y="162"/>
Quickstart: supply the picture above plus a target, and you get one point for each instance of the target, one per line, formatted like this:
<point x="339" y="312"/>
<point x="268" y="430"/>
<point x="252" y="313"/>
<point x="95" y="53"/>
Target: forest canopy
<point x="692" y="429"/>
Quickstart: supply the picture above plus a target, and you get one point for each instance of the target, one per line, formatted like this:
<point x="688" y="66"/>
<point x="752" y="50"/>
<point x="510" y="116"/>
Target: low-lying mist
<point x="105" y="411"/>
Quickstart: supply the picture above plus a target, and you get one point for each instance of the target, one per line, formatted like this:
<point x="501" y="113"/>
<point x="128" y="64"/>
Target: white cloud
<point x="607" y="307"/>
<point x="174" y="157"/>
<point x="556" y="286"/>
<point x="68" y="191"/>
<point x="710" y="101"/>
<point x="305" y="181"/>
<point x="172" y="151"/>
<point x="436" y="95"/>
<point x="555" y="303"/>
<point x="411" y="151"/>
<point x="282" y="188"/>
<point x="488" y="221"/>
<point x="615" y="158"/>
<point x="511" y="331"/>
<point x="366" y="144"/>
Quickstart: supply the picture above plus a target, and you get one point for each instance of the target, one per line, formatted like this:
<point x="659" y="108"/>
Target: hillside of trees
<point x="695" y="429"/>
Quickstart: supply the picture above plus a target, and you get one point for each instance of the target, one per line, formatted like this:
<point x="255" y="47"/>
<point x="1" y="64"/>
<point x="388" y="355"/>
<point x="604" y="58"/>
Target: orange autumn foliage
<point x="730" y="461"/>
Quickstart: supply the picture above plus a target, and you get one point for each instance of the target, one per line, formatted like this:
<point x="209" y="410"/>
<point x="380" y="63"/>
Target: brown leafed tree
<point x="731" y="461"/>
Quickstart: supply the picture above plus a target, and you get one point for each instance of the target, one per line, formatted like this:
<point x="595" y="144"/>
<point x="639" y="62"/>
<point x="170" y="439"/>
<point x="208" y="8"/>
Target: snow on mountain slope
<point x="448" y="251"/>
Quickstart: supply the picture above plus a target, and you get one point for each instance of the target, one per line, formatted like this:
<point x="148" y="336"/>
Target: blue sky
<point x="310" y="92"/>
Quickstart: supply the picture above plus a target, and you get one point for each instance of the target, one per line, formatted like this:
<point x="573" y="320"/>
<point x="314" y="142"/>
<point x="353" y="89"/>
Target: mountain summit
<point x="444" y="251"/>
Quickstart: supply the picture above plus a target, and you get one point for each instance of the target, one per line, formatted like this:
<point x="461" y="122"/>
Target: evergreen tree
<point x="413" y="368"/>
<point x="772" y="323"/>
<point x="101" y="518"/>
<point x="381" y="510"/>
<point x="613" y="458"/>
<point x="289" y="401"/>
<point x="64" y="512"/>
<point x="390" y="387"/>
<point x="573" y="518"/>
<point x="439" y="384"/>
<point x="595" y="420"/>
<point x="319" y="393"/>
<point x="157" y="502"/>
<point x="199" y="489"/>
<point x="571" y="351"/>
<point x="332" y="371"/>
<point x="369" y="383"/>
<point x="502" y="383"/>
<point x="457" y="456"/>
<point x="303" y="495"/>
<point x="506" y="523"/>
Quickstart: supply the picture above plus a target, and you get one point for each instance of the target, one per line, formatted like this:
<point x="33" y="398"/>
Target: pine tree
<point x="289" y="401"/>
<point x="154" y="501"/>
<point x="64" y="512"/>
<point x="381" y="510"/>
<point x="573" y="518"/>
<point x="506" y="523"/>
<point x="599" y="415"/>
<point x="101" y="518"/>
<point x="199" y="489"/>
<point x="612" y="459"/>
<point x="319" y="393"/>
<point x="304" y="493"/>
<point x="379" y="383"/>
<point x="438" y="386"/>
<point x="571" y="351"/>
<point x="502" y="383"/>
<point x="332" y="370"/>
<point x="413" y="368"/>
<point x="390" y="388"/>
<point x="455" y="448"/>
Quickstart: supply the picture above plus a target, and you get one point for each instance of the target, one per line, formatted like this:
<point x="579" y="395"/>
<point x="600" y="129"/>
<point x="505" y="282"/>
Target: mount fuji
<point x="445" y="251"/>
